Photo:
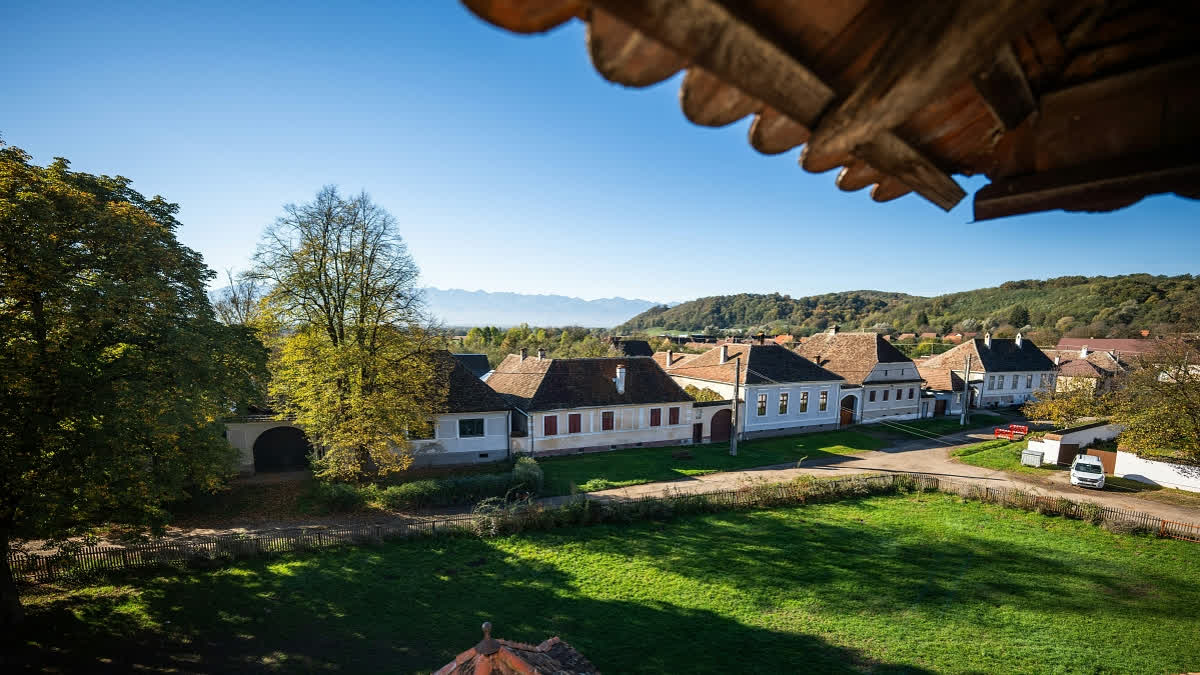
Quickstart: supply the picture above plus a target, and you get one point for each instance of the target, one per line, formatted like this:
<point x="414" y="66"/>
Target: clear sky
<point x="509" y="163"/>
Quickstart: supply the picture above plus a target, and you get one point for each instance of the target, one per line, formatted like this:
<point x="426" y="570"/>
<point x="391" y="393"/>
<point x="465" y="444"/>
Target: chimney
<point x="1057" y="358"/>
<point x="1083" y="352"/>
<point x="541" y="354"/>
<point x="524" y="353"/>
<point x="833" y="329"/>
<point x="987" y="340"/>
<point x="1018" y="340"/>
<point x="762" y="338"/>
<point x="724" y="353"/>
<point x="670" y="357"/>
<point x="619" y="380"/>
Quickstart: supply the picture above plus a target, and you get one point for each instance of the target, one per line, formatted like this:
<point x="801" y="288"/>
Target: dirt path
<point x="921" y="456"/>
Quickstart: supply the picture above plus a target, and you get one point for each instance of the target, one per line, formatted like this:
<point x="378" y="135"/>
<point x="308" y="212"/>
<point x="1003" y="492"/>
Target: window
<point x="885" y="395"/>
<point x="606" y="420"/>
<point x="1015" y="382"/>
<point x="762" y="405"/>
<point x="911" y="392"/>
<point x="656" y="417"/>
<point x="783" y="403"/>
<point x="804" y="401"/>
<point x="574" y="423"/>
<point x="673" y="415"/>
<point x="999" y="381"/>
<point x="885" y="373"/>
<point x="550" y="425"/>
<point x="1029" y="381"/>
<point x="871" y="396"/>
<point x="824" y="403"/>
<point x="471" y="428"/>
<point x="1042" y="380"/>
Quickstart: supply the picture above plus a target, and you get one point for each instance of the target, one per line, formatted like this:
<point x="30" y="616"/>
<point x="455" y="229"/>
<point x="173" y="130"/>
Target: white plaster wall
<point x="242" y="436"/>
<point x="793" y="418"/>
<point x="1009" y="394"/>
<point x="631" y="425"/>
<point x="448" y="448"/>
<point x="1178" y="476"/>
<point x="1086" y="437"/>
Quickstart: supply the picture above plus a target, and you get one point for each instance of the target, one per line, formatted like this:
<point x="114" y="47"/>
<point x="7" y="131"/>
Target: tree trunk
<point x="11" y="612"/>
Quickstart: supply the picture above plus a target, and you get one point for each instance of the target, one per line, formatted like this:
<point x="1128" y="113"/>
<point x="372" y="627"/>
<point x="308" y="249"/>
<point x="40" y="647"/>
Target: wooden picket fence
<point x="216" y="551"/>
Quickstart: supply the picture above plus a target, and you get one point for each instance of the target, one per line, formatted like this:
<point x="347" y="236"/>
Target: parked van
<point x="1086" y="471"/>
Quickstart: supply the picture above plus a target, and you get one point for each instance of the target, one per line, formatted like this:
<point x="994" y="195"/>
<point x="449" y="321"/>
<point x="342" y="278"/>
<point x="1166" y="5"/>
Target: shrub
<point x="528" y="474"/>
<point x="338" y="496"/>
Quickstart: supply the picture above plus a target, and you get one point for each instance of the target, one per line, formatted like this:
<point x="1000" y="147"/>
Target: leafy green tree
<point x="115" y="372"/>
<point x="350" y="345"/>
<point x="704" y="394"/>
<point x="1018" y="316"/>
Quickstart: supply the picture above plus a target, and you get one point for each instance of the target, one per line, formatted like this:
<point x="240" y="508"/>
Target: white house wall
<point x="631" y="427"/>
<point x="448" y="448"/>
<point x="894" y="378"/>
<point x="242" y="435"/>
<point x="793" y="421"/>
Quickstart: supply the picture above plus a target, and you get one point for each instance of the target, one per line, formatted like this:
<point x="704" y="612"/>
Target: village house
<point x="1004" y="371"/>
<point x="471" y="426"/>
<point x="881" y="382"/>
<point x="574" y="405"/>
<point x="779" y="391"/>
<point x="1128" y="347"/>
<point x="1086" y="369"/>
<point x="629" y="346"/>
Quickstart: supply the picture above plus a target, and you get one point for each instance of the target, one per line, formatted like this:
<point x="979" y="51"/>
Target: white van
<point x="1086" y="471"/>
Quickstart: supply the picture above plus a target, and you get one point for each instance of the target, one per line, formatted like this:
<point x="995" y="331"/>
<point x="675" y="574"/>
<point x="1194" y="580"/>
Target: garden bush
<point x="525" y="479"/>
<point x="528" y="474"/>
<point x="339" y="497"/>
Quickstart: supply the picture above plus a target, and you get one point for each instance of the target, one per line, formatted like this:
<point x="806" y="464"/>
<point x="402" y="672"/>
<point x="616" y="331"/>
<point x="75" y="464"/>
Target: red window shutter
<point x="550" y="425"/>
<point x="655" y="417"/>
<point x="673" y="416"/>
<point x="606" y="421"/>
<point x="574" y="423"/>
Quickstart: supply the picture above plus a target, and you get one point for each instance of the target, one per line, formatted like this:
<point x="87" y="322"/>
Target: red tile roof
<point x="851" y="355"/>
<point x="553" y="384"/>
<point x="1125" y="346"/>
<point x="504" y="657"/>
<point x="760" y="364"/>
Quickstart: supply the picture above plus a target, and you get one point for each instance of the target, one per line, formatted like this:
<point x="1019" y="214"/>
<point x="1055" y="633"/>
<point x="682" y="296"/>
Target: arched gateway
<point x="849" y="406"/>
<point x="281" y="449"/>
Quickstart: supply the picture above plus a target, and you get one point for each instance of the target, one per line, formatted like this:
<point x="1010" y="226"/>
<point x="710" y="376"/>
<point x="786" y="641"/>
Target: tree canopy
<point x="115" y="372"/>
<point x="349" y="339"/>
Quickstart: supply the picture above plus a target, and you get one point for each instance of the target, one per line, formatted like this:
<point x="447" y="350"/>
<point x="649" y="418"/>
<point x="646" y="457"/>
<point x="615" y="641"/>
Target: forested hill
<point x="747" y="310"/>
<point x="1077" y="305"/>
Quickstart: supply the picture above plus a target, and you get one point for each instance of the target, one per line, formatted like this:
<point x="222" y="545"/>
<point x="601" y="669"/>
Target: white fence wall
<point x="1053" y="441"/>
<point x="1168" y="474"/>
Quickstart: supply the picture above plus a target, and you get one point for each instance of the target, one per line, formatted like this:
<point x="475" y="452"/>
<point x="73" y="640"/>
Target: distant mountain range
<point x="456" y="307"/>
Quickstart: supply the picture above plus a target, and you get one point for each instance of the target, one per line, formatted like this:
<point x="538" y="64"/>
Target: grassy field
<point x="1002" y="455"/>
<point x="622" y="468"/>
<point x="940" y="425"/>
<point x="917" y="583"/>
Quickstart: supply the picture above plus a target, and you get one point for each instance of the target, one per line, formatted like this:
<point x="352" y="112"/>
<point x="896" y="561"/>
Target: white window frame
<point x="482" y="426"/>
<point x="760" y="404"/>
<point x="784" y="402"/>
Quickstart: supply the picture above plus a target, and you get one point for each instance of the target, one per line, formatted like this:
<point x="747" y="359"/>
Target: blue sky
<point x="509" y="163"/>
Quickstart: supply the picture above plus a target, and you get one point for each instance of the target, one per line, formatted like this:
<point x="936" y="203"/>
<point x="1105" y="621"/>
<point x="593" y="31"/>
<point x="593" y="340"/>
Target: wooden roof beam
<point x="1103" y="186"/>
<point x="932" y="47"/>
<point x="709" y="35"/>
<point x="1005" y="90"/>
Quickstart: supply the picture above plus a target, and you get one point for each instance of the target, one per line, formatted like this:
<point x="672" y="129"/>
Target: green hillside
<point x="1085" y="306"/>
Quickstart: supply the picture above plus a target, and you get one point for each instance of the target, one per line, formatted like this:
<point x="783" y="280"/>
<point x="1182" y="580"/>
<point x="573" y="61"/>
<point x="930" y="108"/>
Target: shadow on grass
<point x="399" y="608"/>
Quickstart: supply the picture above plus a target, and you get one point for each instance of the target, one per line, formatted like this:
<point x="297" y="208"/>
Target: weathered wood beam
<point x="1005" y="90"/>
<point x="708" y="34"/>
<point x="1103" y="186"/>
<point x="932" y="47"/>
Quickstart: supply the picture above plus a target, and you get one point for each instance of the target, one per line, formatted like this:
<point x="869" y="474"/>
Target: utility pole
<point x="966" y="402"/>
<point x="737" y="379"/>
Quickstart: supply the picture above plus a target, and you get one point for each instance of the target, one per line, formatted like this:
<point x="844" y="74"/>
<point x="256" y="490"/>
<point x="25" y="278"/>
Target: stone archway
<point x="281" y="449"/>
<point x="849" y="407"/>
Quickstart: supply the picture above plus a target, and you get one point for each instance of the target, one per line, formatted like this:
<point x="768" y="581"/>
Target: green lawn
<point x="918" y="583"/>
<point x="1001" y="454"/>
<point x="941" y="425"/>
<point x="622" y="468"/>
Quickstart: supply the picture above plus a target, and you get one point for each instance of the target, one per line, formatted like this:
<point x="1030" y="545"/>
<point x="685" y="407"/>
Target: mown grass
<point x="939" y="425"/>
<point x="1001" y="454"/>
<point x="916" y="583"/>
<point x="636" y="466"/>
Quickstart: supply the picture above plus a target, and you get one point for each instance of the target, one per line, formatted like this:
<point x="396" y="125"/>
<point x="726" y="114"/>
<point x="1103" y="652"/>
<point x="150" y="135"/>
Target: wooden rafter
<point x="708" y="34"/>
<point x="1005" y="90"/>
<point x="933" y="46"/>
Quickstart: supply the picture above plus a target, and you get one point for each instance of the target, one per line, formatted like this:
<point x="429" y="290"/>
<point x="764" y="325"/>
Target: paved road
<point x="919" y="455"/>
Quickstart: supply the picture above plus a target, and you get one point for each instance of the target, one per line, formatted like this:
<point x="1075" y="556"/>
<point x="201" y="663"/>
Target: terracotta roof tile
<point x="760" y="364"/>
<point x="851" y="355"/>
<point x="552" y="384"/>
<point x="1124" y="346"/>
<point x="505" y="657"/>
